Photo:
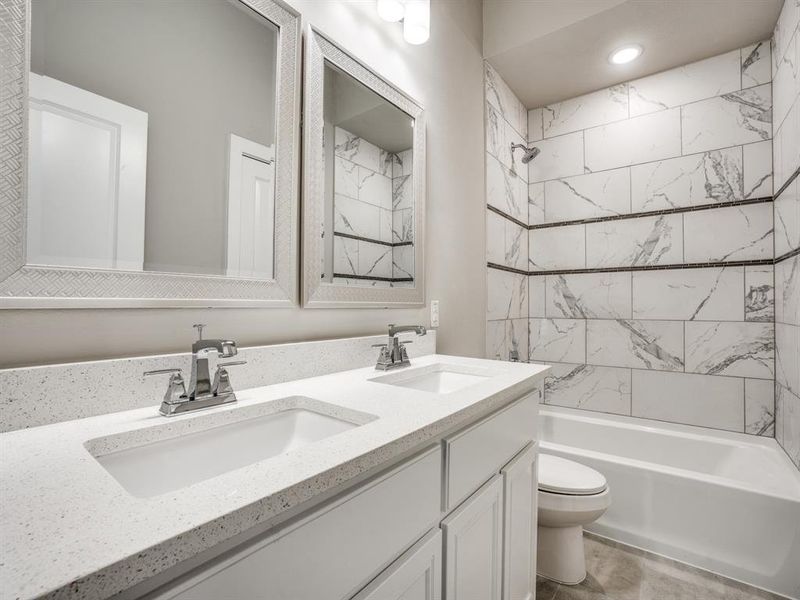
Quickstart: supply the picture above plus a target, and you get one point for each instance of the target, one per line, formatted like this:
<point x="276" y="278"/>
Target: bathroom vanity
<point x="416" y="483"/>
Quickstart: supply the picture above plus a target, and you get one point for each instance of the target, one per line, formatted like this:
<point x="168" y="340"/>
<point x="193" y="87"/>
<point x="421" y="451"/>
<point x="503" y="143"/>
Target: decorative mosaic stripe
<point x="651" y="213"/>
<point x="507" y="216"/>
<point x="371" y="278"/>
<point x="703" y="265"/>
<point x="371" y="241"/>
<point x="787" y="183"/>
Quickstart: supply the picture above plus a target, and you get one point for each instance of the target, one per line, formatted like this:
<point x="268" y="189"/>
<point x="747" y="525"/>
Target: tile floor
<point x="618" y="572"/>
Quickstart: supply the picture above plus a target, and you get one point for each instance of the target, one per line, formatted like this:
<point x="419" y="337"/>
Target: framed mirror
<point x="363" y="185"/>
<point x="150" y="154"/>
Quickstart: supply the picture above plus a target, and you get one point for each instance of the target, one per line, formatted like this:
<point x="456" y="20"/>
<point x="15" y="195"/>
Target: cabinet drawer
<point x="306" y="561"/>
<point x="476" y="453"/>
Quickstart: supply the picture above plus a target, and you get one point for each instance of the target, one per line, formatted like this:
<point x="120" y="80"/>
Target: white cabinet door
<point x="474" y="545"/>
<point x="417" y="575"/>
<point x="519" y="542"/>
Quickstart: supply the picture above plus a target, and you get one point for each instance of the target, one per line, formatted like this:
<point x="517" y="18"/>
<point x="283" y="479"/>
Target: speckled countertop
<point x="69" y="530"/>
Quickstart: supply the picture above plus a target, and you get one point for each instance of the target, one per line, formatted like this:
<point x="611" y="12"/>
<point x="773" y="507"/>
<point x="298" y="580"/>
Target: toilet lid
<point x="561" y="476"/>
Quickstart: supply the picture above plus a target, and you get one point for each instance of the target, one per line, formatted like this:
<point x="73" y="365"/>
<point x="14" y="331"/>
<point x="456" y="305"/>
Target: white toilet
<point x="571" y="495"/>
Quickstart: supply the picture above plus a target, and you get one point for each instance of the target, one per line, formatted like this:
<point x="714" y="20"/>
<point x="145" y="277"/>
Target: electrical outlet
<point x="434" y="313"/>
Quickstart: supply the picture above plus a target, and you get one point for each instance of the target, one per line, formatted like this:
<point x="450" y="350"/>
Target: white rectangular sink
<point x="158" y="466"/>
<point x="438" y="378"/>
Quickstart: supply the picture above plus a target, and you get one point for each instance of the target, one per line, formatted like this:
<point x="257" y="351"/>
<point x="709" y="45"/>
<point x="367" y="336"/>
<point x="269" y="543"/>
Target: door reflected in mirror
<point x="152" y="137"/>
<point x="369" y="203"/>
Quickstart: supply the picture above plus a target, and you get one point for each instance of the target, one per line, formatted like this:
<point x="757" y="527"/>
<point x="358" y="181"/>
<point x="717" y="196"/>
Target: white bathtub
<point x="725" y="502"/>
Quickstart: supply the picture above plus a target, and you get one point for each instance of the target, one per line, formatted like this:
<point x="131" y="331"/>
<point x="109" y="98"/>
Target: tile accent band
<point x="369" y="278"/>
<point x="789" y="254"/>
<point x="370" y="240"/>
<point x="705" y="265"/>
<point x="652" y="213"/>
<point x="507" y="216"/>
<point x="787" y="183"/>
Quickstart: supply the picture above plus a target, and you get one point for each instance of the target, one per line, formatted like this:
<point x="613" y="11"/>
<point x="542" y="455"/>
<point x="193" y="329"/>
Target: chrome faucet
<point x="203" y="392"/>
<point x="393" y="354"/>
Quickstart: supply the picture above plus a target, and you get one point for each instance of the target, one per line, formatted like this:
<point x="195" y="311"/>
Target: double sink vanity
<point x="418" y="482"/>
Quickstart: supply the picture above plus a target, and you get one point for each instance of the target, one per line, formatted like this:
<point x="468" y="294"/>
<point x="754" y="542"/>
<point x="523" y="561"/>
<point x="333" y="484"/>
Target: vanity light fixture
<point x="415" y="15"/>
<point x="391" y="10"/>
<point x="626" y="54"/>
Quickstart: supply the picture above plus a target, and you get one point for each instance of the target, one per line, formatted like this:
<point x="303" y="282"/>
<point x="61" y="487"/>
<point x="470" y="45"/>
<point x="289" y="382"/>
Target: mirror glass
<point x="369" y="203"/>
<point x="152" y="137"/>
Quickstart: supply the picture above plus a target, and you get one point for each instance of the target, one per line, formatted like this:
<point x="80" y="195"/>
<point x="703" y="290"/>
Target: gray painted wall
<point x="445" y="75"/>
<point x="201" y="70"/>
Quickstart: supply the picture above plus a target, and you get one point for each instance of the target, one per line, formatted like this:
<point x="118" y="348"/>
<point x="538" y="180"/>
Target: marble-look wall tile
<point x="495" y="238"/>
<point x="518" y="339"/>
<point x="507" y="339"/>
<point x="496" y="340"/>
<point x="786" y="147"/>
<point x="787" y="354"/>
<point x="598" y="108"/>
<point x="357" y="150"/>
<point x="786" y="209"/>
<point x="535" y="203"/>
<point x="385" y="227"/>
<point x="505" y="190"/>
<point x="402" y="262"/>
<point x="586" y="196"/>
<point x="638" y="344"/>
<point x="696" y="81"/>
<point x="759" y="407"/>
<point x="345" y="256"/>
<point x="588" y="296"/>
<point x="688" y="294"/>
<point x="787" y="291"/>
<point x="787" y="422"/>
<point x="560" y="156"/>
<point x="756" y="64"/>
<point x="402" y="192"/>
<point x="356" y="218"/>
<point x="496" y="143"/>
<point x="604" y="389"/>
<point x="507" y="295"/>
<point x="516" y="246"/>
<point x="739" y="233"/>
<point x="535" y="125"/>
<point x="558" y="340"/>
<point x="784" y="30"/>
<point x="557" y="248"/>
<point x="638" y="140"/>
<point x="725" y="348"/>
<point x="402" y="225"/>
<point x="759" y="293"/>
<point x="375" y="188"/>
<point x="641" y="241"/>
<point x="786" y="84"/>
<point x="693" y="180"/>
<point x="731" y="119"/>
<point x="703" y="400"/>
<point x="758" y="169"/>
<point x="345" y="177"/>
<point x="536" y="296"/>
<point x="374" y="259"/>
<point x="499" y="95"/>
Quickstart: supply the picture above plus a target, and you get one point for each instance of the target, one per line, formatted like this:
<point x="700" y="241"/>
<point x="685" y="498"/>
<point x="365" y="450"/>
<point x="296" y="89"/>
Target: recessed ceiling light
<point x="391" y="10"/>
<point x="626" y="54"/>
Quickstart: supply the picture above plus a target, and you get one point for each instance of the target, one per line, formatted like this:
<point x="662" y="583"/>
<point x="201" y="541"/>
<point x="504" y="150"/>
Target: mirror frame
<point x="317" y="294"/>
<point x="28" y="286"/>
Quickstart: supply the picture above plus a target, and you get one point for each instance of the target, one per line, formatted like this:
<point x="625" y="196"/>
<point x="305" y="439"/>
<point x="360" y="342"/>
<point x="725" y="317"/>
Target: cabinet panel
<point x="417" y="575"/>
<point x="520" y="486"/>
<point x="474" y="545"/>
<point x="476" y="453"/>
<point x="334" y="551"/>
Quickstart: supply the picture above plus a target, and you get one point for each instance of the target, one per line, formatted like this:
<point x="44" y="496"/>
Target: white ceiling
<point x="550" y="50"/>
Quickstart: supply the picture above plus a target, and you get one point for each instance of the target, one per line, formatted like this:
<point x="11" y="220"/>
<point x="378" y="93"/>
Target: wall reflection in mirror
<point x="152" y="137"/>
<point x="369" y="232"/>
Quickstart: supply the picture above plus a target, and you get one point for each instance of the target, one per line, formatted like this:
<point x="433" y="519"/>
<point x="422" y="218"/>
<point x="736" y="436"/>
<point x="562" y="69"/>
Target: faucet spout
<point x="395" y="329"/>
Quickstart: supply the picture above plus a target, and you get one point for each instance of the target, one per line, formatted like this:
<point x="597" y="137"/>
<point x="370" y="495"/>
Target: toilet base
<point x="560" y="555"/>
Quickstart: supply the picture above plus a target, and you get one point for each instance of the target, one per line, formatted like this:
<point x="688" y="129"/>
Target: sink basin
<point x="439" y="378"/>
<point x="164" y="465"/>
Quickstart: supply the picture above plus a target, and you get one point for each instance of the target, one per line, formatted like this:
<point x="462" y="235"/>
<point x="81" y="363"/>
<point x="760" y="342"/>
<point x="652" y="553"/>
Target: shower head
<point x="529" y="153"/>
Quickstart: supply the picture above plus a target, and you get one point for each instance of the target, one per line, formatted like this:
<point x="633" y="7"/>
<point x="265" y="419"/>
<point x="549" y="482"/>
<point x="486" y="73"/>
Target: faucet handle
<point x="380" y="345"/>
<point x="199" y="327"/>
<point x="229" y="349"/>
<point x="176" y="389"/>
<point x="222" y="381"/>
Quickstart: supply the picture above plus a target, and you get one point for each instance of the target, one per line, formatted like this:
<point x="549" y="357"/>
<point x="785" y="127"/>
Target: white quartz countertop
<point x="68" y="529"/>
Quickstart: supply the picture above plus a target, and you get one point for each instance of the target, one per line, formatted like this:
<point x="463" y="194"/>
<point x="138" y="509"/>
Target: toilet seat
<point x="561" y="476"/>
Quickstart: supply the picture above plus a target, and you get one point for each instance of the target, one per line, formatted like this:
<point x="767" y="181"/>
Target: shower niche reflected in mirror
<point x="369" y="224"/>
<point x="152" y="130"/>
<point x="363" y="184"/>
